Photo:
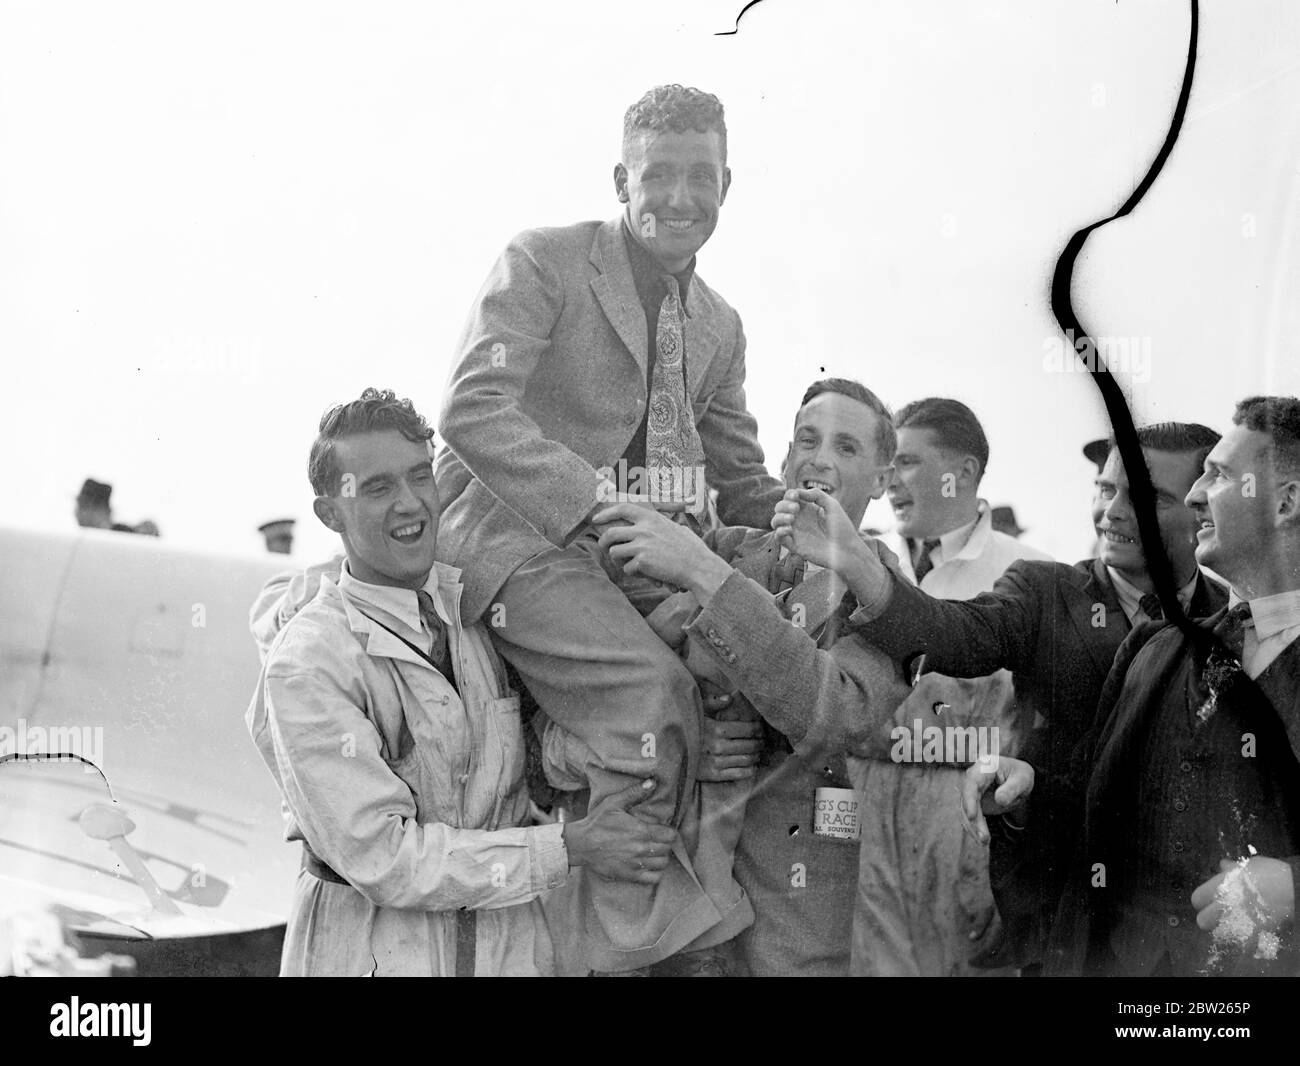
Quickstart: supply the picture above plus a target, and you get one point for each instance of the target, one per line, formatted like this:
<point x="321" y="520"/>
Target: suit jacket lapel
<point x="1279" y="685"/>
<point x="616" y="293"/>
<point x="1092" y="589"/>
<point x="701" y="337"/>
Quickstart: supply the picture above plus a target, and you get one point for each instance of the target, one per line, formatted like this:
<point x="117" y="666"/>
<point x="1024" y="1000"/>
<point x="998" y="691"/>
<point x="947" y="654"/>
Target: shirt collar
<point x="1272" y="614"/>
<point x="403" y="604"/>
<point x="966" y="541"/>
<point x="647" y="272"/>
<point x="1130" y="596"/>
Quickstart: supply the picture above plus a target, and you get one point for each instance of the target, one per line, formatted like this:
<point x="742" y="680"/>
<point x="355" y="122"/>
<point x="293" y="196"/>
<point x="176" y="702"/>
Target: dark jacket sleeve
<point x="962" y="638"/>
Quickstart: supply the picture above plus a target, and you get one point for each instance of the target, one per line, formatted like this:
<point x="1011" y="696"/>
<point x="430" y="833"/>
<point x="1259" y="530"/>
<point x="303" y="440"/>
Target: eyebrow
<point x="374" y="479"/>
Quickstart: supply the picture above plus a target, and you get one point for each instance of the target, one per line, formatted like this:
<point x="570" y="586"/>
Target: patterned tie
<point x="672" y="444"/>
<point x="924" y="564"/>
<point x="1149" y="605"/>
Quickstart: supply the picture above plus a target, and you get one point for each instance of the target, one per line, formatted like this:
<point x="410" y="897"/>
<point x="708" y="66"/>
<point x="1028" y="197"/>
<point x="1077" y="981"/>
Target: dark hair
<point x="1279" y="417"/>
<point x="375" y="410"/>
<point x="1175" y="437"/>
<point x="675" y="108"/>
<point x="886" y="438"/>
<point x="956" y="429"/>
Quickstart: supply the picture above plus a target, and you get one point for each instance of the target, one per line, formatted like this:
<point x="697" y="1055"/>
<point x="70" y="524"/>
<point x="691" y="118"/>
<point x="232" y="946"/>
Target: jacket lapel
<point x="615" y="291"/>
<point x="701" y="337"/>
<point x="1279" y="684"/>
<point x="1092" y="587"/>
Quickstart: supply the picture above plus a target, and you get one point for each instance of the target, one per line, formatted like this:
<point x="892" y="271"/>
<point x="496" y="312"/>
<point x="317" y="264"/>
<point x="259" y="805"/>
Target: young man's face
<point x="834" y="449"/>
<point x="390" y="526"/>
<point x="1172" y="474"/>
<point x="673" y="185"/>
<point x="1235" y="506"/>
<point x="930" y="486"/>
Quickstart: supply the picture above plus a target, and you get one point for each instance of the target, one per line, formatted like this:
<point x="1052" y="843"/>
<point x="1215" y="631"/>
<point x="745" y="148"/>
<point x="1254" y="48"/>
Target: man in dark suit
<point x="1192" y="831"/>
<point x="1057" y="628"/>
<point x="595" y="365"/>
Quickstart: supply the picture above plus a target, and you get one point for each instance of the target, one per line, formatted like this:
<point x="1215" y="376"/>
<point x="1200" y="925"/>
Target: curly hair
<point x="1279" y="417"/>
<point x="675" y="108"/>
<point x="376" y="409"/>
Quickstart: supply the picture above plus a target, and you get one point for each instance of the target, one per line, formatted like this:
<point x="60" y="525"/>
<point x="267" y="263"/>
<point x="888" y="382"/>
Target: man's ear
<point x="726" y="184"/>
<point x="970" y="471"/>
<point x="620" y="182"/>
<point x="1288" y="503"/>
<point x="883" y="477"/>
<point x="327" y="510"/>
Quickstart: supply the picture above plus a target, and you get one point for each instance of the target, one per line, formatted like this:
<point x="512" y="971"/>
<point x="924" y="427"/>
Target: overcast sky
<point x="216" y="220"/>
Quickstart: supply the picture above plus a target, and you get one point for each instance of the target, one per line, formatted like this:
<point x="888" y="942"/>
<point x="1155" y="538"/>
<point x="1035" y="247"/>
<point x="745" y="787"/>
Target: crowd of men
<point x="757" y="740"/>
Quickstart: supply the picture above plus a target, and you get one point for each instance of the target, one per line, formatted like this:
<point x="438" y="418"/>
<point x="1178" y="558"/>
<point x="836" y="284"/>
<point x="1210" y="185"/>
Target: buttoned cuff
<point x="726" y="608"/>
<point x="550" y="857"/>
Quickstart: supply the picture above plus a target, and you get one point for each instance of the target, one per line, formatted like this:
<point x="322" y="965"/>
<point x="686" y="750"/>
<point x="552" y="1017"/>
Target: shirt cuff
<point x="866" y="613"/>
<point x="550" y="856"/>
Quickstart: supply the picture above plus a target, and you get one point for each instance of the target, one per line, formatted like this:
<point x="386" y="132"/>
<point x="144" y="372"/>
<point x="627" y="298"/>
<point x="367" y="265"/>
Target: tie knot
<point x="924" y="563"/>
<point x="1149" y="605"/>
<point x="427" y="610"/>
<point x="1232" y="630"/>
<point x="672" y="290"/>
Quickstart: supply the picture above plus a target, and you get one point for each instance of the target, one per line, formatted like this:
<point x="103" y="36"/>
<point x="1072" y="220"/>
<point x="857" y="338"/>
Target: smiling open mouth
<point x="1116" y="538"/>
<point x="812" y="483"/>
<point x="678" y="225"/>
<point x="408" y="534"/>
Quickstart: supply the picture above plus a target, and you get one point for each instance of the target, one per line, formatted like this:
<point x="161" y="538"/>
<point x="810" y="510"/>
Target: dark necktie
<point x="789" y="571"/>
<point x="672" y="443"/>
<point x="1149" y="605"/>
<point x="1222" y="671"/>
<point x="924" y="564"/>
<point x="440" y="652"/>
<point x="1232" y="629"/>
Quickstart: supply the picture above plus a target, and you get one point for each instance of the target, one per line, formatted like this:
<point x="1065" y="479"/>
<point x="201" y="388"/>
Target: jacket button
<point x="1185" y="766"/>
<point x="1180" y="805"/>
<point x="1174" y="921"/>
<point x="1179" y="845"/>
<point x="730" y="658"/>
<point x="632" y="418"/>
